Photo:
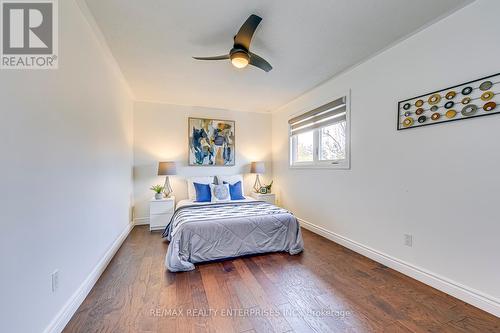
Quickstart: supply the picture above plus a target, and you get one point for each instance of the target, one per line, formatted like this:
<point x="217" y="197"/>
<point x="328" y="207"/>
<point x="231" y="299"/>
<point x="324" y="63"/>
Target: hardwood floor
<point x="328" y="288"/>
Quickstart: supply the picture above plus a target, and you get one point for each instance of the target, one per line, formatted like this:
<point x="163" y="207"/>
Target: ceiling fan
<point x="240" y="54"/>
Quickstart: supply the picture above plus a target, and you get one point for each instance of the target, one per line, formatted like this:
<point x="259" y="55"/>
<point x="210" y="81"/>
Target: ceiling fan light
<point x="240" y="59"/>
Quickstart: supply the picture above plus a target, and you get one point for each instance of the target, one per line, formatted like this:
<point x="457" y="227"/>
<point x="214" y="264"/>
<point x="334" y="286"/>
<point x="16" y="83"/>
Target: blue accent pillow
<point x="203" y="193"/>
<point x="235" y="191"/>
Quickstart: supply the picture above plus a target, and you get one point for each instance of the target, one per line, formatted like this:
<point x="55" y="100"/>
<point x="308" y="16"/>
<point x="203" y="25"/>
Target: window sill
<point x="340" y="166"/>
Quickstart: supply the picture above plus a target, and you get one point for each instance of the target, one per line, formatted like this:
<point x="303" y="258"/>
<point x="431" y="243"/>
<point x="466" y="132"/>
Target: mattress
<point x="200" y="232"/>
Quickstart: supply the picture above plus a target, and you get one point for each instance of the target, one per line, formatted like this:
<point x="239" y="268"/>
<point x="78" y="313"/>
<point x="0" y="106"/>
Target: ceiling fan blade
<point x="244" y="36"/>
<point x="221" y="57"/>
<point x="257" y="61"/>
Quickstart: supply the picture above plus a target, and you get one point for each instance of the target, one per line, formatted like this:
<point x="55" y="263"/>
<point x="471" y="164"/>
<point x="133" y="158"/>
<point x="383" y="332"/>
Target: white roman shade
<point x="322" y="116"/>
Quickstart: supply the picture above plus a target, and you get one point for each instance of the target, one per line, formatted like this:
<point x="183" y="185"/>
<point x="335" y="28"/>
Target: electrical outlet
<point x="55" y="280"/>
<point x="408" y="240"/>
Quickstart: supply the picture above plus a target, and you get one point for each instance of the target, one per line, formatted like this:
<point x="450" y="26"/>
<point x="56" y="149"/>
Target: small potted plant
<point x="158" y="189"/>
<point x="266" y="188"/>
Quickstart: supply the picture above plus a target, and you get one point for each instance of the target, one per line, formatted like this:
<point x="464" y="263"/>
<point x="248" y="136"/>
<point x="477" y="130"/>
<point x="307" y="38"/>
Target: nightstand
<point x="269" y="197"/>
<point x="160" y="212"/>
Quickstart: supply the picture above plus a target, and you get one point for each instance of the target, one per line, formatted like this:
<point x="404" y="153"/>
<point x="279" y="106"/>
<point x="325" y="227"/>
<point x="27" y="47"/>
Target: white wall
<point x="161" y="134"/>
<point x="66" y="174"/>
<point x="439" y="183"/>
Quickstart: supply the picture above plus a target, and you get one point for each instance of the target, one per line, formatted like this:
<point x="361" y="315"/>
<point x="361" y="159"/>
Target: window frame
<point x="343" y="164"/>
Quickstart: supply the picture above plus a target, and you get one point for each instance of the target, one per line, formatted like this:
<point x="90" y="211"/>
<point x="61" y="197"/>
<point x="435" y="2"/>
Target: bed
<point x="200" y="232"/>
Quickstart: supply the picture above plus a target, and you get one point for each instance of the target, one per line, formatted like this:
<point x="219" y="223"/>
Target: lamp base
<point x="167" y="189"/>
<point x="257" y="185"/>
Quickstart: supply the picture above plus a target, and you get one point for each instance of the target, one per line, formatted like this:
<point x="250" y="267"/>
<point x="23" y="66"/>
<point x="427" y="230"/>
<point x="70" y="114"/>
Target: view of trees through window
<point x="305" y="147"/>
<point x="332" y="142"/>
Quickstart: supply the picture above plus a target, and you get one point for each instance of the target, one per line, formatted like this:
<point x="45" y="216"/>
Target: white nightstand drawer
<point x="269" y="197"/>
<point x="159" y="222"/>
<point x="160" y="212"/>
<point x="161" y="207"/>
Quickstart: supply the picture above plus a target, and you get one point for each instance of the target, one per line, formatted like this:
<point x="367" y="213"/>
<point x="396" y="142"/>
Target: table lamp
<point x="257" y="168"/>
<point x="167" y="169"/>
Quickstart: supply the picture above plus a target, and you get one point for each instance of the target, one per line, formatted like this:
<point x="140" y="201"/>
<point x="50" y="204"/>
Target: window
<point x="320" y="138"/>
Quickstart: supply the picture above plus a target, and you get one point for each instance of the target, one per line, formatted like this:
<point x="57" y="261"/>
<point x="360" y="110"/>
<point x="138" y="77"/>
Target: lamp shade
<point x="257" y="167"/>
<point x="166" y="168"/>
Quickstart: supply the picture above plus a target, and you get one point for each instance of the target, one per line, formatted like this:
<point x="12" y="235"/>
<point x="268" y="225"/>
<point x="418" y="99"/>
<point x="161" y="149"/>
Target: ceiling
<point x="306" y="42"/>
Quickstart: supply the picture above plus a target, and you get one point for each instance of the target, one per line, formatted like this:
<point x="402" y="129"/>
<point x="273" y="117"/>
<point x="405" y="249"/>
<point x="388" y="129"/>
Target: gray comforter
<point x="226" y="230"/>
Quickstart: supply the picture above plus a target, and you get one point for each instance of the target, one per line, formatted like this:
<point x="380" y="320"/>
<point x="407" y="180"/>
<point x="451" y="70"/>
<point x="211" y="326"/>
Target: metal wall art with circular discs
<point x="467" y="100"/>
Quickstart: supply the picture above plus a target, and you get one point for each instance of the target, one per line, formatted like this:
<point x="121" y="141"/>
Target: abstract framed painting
<point x="211" y="142"/>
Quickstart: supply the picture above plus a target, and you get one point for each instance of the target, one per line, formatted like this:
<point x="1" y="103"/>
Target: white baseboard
<point x="68" y="310"/>
<point x="469" y="295"/>
<point x="141" y="220"/>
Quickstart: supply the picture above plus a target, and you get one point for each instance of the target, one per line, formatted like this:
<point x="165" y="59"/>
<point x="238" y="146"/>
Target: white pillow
<point x="199" y="180"/>
<point x="232" y="180"/>
<point x="220" y="193"/>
